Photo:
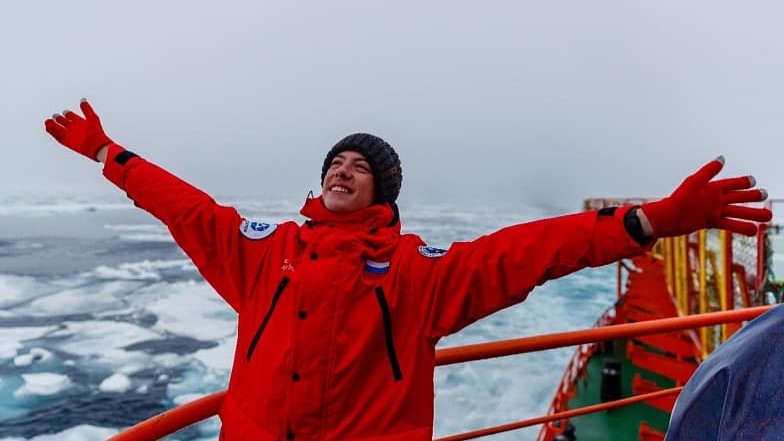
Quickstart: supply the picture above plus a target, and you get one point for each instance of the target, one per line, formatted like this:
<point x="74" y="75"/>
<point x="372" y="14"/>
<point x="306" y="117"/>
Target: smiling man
<point x="359" y="171"/>
<point x="339" y="317"/>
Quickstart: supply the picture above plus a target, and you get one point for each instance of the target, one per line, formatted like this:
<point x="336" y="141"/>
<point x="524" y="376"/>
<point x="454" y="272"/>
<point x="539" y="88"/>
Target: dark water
<point x="58" y="252"/>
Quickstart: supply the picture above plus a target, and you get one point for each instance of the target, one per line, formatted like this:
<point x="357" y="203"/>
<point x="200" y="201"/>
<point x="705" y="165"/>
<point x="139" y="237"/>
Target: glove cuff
<point x="114" y="168"/>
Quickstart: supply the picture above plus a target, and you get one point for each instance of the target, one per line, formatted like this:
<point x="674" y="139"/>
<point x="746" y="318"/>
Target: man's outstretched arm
<point x="205" y="230"/>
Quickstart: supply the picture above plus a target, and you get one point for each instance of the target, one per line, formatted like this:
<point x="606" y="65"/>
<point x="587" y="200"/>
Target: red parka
<point x="339" y="317"/>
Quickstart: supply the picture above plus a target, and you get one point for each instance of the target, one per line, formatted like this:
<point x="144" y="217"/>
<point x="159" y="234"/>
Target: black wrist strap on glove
<point x="124" y="157"/>
<point x="633" y="226"/>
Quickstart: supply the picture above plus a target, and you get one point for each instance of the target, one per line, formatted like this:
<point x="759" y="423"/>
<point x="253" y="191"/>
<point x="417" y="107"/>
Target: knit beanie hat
<point x="383" y="161"/>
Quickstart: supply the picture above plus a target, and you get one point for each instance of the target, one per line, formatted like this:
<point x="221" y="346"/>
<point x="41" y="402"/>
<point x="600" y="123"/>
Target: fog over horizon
<point x="489" y="103"/>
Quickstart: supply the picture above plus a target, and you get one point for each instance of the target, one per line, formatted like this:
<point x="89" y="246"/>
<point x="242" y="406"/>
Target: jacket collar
<point x="378" y="215"/>
<point x="376" y="227"/>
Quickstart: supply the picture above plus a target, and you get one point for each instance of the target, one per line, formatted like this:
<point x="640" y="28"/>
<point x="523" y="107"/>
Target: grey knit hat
<point x="383" y="160"/>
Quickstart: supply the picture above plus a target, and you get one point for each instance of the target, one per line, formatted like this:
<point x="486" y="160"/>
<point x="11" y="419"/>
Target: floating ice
<point x="14" y="289"/>
<point x="43" y="384"/>
<point x="142" y="233"/>
<point x="35" y="355"/>
<point x="148" y="237"/>
<point x="220" y="357"/>
<point x="12" y="338"/>
<point x="102" y="339"/>
<point x="186" y="398"/>
<point x="40" y="206"/>
<point x="81" y="432"/>
<point x="195" y="381"/>
<point x="127" y="272"/>
<point x="8" y="349"/>
<point x="193" y="309"/>
<point x="117" y="383"/>
<point x="144" y="270"/>
<point x="73" y="301"/>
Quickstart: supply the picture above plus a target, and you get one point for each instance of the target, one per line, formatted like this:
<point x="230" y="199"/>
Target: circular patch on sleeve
<point x="256" y="229"/>
<point x="431" y="251"/>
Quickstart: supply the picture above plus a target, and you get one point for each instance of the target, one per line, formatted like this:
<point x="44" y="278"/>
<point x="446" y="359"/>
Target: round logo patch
<point x="256" y="230"/>
<point x="431" y="251"/>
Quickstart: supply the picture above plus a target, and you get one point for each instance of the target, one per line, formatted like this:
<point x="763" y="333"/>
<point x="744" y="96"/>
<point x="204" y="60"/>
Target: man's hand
<point x="699" y="202"/>
<point x="82" y="135"/>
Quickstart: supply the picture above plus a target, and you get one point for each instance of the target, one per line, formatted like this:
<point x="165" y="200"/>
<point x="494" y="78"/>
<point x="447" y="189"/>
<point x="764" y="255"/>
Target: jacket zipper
<point x="275" y="298"/>
<point x="382" y="302"/>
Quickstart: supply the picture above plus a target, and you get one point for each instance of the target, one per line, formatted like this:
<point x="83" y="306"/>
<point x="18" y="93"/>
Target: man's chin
<point x="337" y="206"/>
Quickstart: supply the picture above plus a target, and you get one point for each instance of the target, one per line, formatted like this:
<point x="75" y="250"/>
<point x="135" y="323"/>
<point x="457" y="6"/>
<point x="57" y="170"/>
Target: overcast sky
<point x="487" y="102"/>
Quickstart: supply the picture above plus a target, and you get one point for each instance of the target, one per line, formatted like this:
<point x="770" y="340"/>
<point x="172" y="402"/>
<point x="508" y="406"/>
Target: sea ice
<point x="35" y="355"/>
<point x="144" y="270"/>
<point x="179" y="400"/>
<point x="220" y="357"/>
<point x="100" y="336"/>
<point x="142" y="233"/>
<point x="117" y="383"/>
<point x="12" y="338"/>
<point x="73" y="301"/>
<point x="8" y="349"/>
<point x="193" y="309"/>
<point x="16" y="289"/>
<point x="77" y="433"/>
<point x="43" y="384"/>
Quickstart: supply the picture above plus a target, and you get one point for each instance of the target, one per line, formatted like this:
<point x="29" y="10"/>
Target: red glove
<point x="82" y="135"/>
<point x="701" y="203"/>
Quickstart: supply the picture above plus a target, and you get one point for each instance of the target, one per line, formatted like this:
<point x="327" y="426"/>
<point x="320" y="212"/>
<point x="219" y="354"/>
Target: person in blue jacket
<point x="737" y="393"/>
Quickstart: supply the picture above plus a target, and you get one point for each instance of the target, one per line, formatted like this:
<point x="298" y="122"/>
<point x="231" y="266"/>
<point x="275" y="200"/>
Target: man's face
<point x="348" y="184"/>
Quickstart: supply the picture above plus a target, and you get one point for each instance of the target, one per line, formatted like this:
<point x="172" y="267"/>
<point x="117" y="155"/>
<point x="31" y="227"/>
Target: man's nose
<point x="343" y="171"/>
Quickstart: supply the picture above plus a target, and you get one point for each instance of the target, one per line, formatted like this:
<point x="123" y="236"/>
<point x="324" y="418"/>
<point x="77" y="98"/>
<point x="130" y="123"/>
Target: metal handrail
<point x="177" y="418"/>
<point x="563" y="415"/>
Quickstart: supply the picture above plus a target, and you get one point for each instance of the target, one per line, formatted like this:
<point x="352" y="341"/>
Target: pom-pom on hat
<point x="383" y="160"/>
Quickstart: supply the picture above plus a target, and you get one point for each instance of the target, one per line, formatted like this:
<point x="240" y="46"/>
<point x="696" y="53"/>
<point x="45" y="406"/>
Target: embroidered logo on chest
<point x="287" y="266"/>
<point x="431" y="251"/>
<point x="256" y="230"/>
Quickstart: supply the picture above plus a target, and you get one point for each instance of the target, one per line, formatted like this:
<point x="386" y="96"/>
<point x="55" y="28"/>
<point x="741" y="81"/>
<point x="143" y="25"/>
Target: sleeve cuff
<point x="626" y="216"/>
<point x="117" y="161"/>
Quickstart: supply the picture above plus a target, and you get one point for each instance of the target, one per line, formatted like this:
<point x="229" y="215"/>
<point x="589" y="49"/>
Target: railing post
<point x="707" y="346"/>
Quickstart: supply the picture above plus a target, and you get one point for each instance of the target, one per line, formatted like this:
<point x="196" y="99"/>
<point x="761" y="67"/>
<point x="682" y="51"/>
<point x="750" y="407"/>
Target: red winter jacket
<point x="339" y="317"/>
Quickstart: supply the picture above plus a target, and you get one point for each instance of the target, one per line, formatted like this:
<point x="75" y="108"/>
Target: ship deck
<point x="652" y="360"/>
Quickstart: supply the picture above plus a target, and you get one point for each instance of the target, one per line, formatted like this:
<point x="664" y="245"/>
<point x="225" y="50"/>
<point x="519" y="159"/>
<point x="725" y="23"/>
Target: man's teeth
<point x="339" y="189"/>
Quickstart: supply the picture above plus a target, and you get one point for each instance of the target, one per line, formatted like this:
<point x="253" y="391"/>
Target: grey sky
<point x="488" y="102"/>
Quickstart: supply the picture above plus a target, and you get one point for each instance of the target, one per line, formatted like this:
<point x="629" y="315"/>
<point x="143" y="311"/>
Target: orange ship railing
<point x="180" y="417"/>
<point x="562" y="416"/>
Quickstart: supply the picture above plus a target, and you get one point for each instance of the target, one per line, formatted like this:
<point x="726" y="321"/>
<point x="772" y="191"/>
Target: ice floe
<point x="43" y="384"/>
<point x="117" y="383"/>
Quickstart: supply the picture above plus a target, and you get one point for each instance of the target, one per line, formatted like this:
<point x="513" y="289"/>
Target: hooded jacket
<point x="339" y="317"/>
<point x="736" y="394"/>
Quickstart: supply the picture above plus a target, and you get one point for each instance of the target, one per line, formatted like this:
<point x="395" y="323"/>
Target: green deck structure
<point x="620" y="424"/>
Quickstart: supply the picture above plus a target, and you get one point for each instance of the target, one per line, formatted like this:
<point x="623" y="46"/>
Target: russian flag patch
<point x="376" y="267"/>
